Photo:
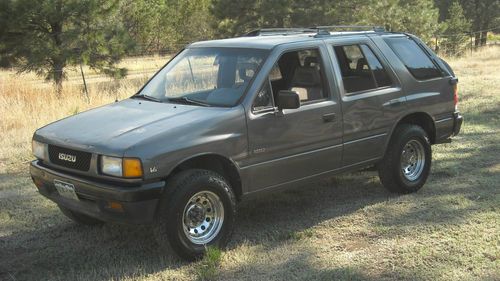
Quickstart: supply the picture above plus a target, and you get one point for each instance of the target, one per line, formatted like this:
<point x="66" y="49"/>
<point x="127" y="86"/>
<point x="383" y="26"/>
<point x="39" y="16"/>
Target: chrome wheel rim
<point x="412" y="160"/>
<point x="203" y="217"/>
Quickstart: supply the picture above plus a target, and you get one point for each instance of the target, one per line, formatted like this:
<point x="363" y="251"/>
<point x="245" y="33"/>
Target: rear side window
<point x="417" y="62"/>
<point x="361" y="69"/>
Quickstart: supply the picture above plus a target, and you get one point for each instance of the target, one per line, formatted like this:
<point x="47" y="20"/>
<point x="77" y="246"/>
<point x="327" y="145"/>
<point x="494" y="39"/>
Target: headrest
<point x="309" y="61"/>
<point x="246" y="71"/>
<point x="306" y="76"/>
<point x="361" y="63"/>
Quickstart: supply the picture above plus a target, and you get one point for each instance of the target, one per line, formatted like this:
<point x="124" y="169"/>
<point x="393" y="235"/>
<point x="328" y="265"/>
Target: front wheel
<point x="407" y="162"/>
<point x="199" y="212"/>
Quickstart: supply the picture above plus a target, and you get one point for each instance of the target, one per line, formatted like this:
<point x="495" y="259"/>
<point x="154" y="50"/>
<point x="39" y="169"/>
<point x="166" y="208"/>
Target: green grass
<point x="345" y="228"/>
<point x="207" y="269"/>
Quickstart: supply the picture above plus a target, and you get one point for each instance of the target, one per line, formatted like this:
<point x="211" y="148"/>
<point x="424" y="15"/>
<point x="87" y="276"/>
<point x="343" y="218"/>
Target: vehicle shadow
<point x="277" y="216"/>
<point x="38" y="243"/>
<point x="302" y="267"/>
<point x="49" y="246"/>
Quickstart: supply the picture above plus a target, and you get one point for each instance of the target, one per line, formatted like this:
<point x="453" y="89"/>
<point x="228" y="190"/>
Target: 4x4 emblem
<point x="67" y="157"/>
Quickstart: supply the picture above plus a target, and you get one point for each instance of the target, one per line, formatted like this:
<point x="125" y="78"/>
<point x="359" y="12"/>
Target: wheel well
<point x="215" y="163"/>
<point x="423" y="120"/>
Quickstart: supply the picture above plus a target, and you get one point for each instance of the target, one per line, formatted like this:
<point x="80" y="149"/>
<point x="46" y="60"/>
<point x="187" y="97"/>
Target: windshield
<point x="206" y="76"/>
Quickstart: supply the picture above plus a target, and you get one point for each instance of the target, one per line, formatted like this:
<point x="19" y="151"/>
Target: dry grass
<point x="27" y="104"/>
<point x="345" y="228"/>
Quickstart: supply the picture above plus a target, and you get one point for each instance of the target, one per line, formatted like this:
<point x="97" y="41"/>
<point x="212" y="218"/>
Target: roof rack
<point x="319" y="30"/>
<point x="279" y="31"/>
<point x="342" y="28"/>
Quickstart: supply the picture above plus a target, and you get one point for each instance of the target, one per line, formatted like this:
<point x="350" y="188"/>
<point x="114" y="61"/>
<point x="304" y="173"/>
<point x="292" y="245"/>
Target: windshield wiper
<point x="187" y="100"/>
<point x="146" y="97"/>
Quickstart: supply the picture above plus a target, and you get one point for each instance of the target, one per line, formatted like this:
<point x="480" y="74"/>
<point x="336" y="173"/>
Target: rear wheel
<point x="407" y="162"/>
<point x="199" y="212"/>
<point x="79" y="217"/>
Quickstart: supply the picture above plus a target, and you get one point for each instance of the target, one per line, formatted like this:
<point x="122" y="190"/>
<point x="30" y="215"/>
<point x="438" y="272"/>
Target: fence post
<point x="471" y="42"/>
<point x="85" y="84"/>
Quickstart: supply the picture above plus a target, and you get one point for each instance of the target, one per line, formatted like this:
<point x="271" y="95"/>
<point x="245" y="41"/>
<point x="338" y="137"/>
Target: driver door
<point x="293" y="144"/>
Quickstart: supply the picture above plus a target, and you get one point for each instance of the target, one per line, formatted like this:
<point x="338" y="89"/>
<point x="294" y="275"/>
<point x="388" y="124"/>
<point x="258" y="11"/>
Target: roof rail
<point x="279" y="31"/>
<point x="319" y="30"/>
<point x="327" y="28"/>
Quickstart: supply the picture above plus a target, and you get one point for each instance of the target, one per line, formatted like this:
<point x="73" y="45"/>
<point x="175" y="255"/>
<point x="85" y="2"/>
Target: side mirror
<point x="288" y="100"/>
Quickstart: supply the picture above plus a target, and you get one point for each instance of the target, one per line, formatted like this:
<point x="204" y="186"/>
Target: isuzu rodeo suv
<point x="227" y="119"/>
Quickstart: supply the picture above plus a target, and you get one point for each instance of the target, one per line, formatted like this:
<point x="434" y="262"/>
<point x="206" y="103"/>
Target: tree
<point x="235" y="17"/>
<point x="46" y="36"/>
<point x="444" y="7"/>
<point x="455" y="31"/>
<point x="483" y="14"/>
<point x="141" y="19"/>
<point x="419" y="17"/>
<point x="159" y="25"/>
<point x="4" y="10"/>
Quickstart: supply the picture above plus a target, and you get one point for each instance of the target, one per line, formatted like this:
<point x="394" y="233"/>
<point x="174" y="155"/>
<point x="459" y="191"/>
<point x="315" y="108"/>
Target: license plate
<point x="65" y="189"/>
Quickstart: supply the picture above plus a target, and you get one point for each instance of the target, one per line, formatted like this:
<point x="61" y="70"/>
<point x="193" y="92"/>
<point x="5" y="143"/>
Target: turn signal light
<point x="132" y="168"/>
<point x="115" y="206"/>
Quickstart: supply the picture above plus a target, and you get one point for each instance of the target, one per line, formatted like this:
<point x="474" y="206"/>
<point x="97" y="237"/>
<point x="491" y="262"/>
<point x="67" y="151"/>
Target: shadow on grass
<point x="49" y="246"/>
<point x="38" y="243"/>
<point x="277" y="216"/>
<point x="304" y="266"/>
<point x="46" y="245"/>
<point x="298" y="267"/>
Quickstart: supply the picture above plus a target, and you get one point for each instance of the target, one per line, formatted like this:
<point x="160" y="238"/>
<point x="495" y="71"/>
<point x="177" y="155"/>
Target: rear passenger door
<point x="371" y="98"/>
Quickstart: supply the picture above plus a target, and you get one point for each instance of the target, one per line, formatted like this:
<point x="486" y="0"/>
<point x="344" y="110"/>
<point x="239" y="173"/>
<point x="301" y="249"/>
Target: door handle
<point x="329" y="117"/>
<point x="394" y="102"/>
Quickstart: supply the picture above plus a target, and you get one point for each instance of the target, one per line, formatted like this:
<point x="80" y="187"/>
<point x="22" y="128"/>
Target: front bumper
<point x="138" y="202"/>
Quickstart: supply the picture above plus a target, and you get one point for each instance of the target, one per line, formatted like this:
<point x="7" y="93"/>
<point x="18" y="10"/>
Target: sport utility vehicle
<point x="227" y="119"/>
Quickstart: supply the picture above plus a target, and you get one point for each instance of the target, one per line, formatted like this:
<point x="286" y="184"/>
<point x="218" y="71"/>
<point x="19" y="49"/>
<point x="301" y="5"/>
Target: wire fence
<point x="467" y="41"/>
<point x="475" y="40"/>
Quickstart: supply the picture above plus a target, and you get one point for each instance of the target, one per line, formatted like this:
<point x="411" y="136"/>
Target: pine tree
<point x="159" y="25"/>
<point x="233" y="17"/>
<point x="456" y="27"/>
<point x="483" y="14"/>
<point x="47" y="36"/>
<point x="418" y="17"/>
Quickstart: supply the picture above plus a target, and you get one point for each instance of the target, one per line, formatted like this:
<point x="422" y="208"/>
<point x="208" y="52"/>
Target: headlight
<point x="121" y="167"/>
<point x="38" y="149"/>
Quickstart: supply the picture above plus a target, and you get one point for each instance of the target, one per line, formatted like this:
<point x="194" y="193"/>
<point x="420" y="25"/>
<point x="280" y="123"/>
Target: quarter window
<point x="381" y="76"/>
<point x="361" y="69"/>
<point x="417" y="62"/>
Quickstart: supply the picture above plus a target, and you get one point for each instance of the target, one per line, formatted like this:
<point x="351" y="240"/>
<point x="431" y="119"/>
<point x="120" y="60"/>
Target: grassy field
<point x="345" y="228"/>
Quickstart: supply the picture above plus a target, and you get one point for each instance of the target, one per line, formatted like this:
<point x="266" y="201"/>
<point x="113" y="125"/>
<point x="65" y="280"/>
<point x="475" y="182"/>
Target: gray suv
<point x="224" y="120"/>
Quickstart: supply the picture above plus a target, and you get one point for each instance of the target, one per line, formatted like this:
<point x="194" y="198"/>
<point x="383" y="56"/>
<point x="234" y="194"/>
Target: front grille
<point x="70" y="158"/>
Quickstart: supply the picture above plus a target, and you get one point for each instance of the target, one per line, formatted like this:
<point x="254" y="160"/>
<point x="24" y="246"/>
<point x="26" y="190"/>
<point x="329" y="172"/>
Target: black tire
<point x="390" y="168"/>
<point x="181" y="189"/>
<point x="79" y="217"/>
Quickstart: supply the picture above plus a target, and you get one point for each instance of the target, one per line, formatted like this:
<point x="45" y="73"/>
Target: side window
<point x="361" y="69"/>
<point x="415" y="59"/>
<point x="264" y="99"/>
<point x="381" y="76"/>
<point x="300" y="71"/>
<point x="307" y="78"/>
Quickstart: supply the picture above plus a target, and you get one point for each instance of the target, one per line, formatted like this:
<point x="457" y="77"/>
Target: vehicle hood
<point x="116" y="127"/>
